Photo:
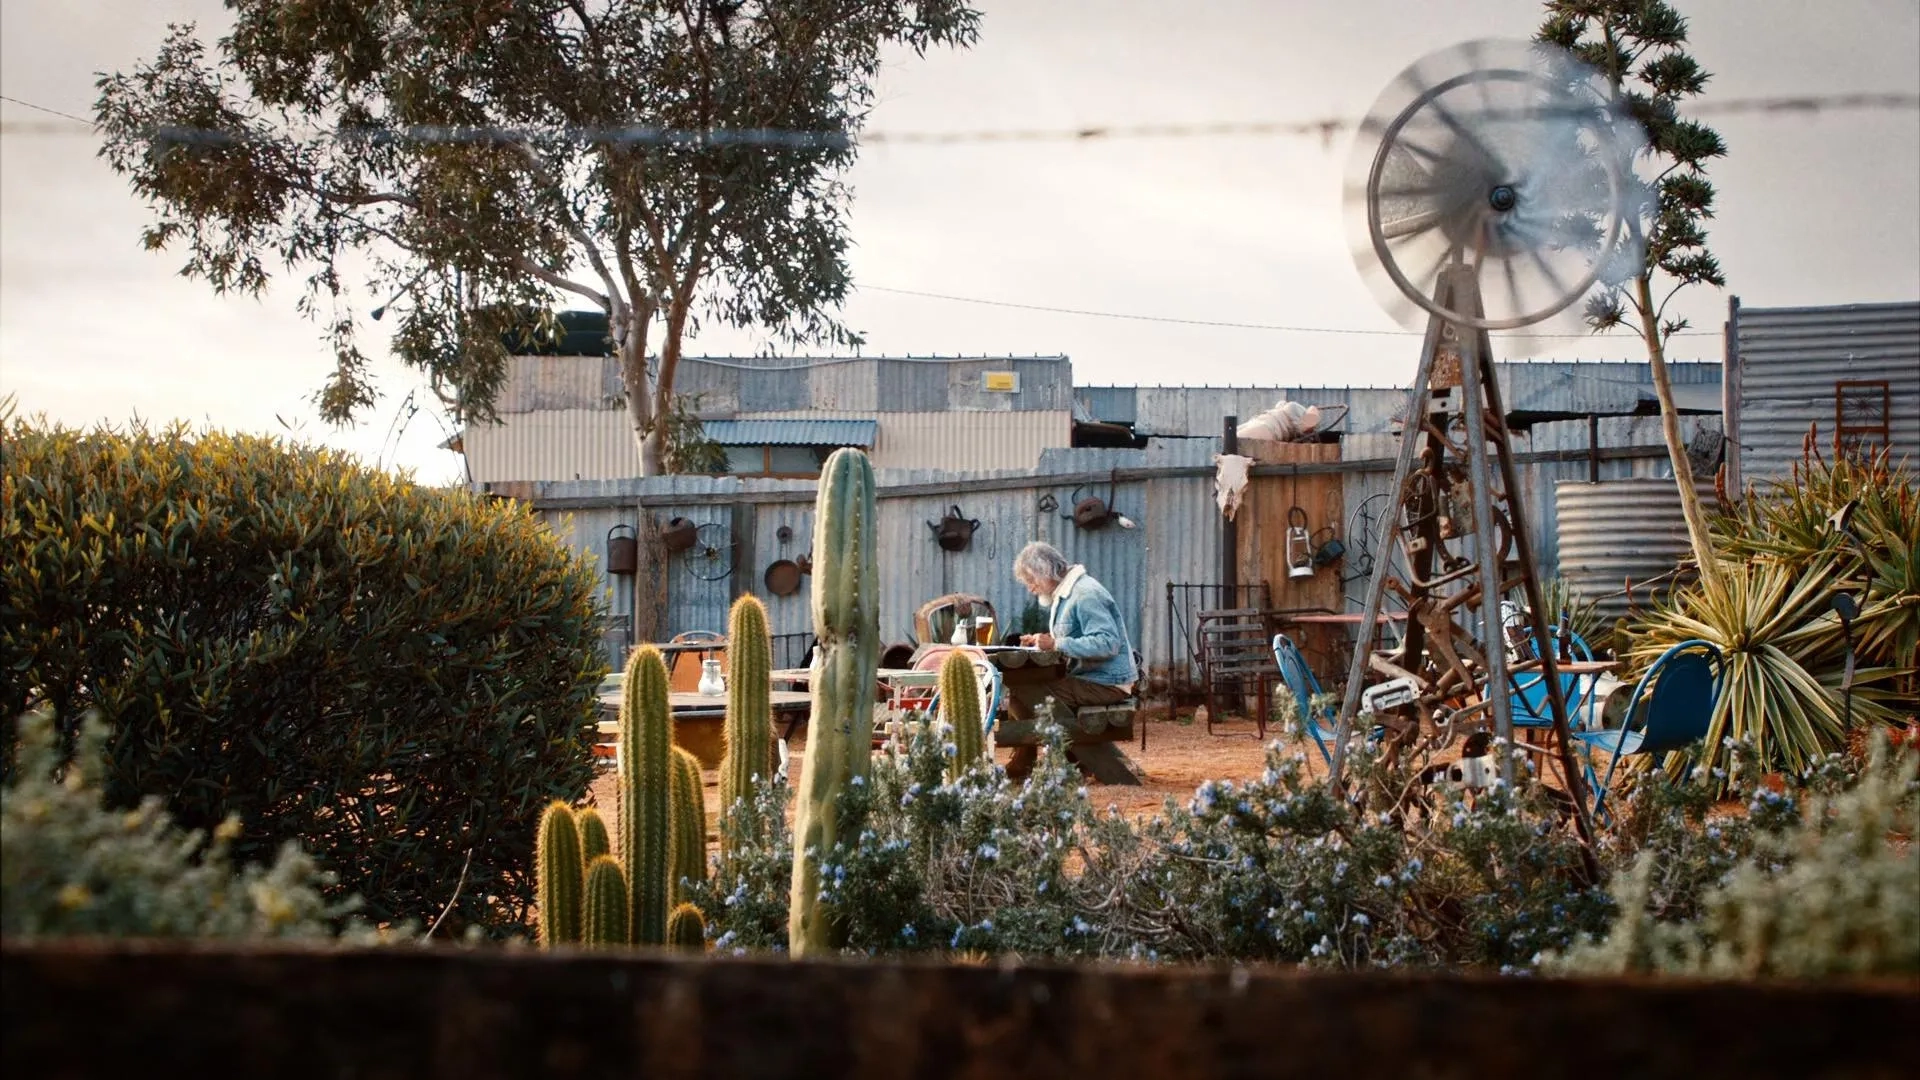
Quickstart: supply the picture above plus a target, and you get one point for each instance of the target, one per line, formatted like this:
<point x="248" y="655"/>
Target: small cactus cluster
<point x="846" y="619"/>
<point x="595" y="894"/>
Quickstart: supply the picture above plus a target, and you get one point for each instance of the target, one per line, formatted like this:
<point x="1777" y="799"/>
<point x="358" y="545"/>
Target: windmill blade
<point x="1503" y="153"/>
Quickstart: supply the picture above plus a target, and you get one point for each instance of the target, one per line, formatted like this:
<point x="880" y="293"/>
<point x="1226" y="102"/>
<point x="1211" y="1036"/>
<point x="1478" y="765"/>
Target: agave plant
<point x="1785" y="658"/>
<point x="1798" y="522"/>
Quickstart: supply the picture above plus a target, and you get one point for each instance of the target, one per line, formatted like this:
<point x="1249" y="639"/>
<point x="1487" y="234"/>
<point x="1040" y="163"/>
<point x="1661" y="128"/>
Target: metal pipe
<point x="1229" y="531"/>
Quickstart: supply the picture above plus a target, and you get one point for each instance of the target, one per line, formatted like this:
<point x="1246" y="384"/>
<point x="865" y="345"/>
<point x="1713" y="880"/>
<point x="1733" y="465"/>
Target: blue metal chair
<point x="1304" y="687"/>
<point x="1680" y="691"/>
<point x="1527" y="692"/>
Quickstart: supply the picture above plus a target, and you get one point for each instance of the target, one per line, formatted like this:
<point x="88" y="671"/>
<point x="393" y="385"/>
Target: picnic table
<point x="699" y="720"/>
<point x="1094" y="732"/>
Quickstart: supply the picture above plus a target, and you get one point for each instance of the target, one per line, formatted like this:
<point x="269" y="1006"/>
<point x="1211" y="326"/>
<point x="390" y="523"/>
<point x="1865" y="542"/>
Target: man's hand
<point x="1038" y="641"/>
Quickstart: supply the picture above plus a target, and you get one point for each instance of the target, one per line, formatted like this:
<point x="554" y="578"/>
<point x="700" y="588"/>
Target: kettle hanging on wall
<point x="954" y="532"/>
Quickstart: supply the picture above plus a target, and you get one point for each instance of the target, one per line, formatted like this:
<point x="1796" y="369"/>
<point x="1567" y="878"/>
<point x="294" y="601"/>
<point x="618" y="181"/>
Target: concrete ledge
<point x="115" y="1010"/>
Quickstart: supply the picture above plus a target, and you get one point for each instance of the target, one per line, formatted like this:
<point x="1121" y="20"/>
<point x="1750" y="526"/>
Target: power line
<point x="1214" y="322"/>
<point x="51" y="112"/>
<point x="1324" y="128"/>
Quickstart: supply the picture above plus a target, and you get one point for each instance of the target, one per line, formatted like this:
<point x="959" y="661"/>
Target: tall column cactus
<point x="558" y="870"/>
<point x="749" y="730"/>
<point x="846" y="619"/>
<point x="604" y="913"/>
<point x="593" y="835"/>
<point x="689" y="817"/>
<point x="646" y="791"/>
<point x="960" y="707"/>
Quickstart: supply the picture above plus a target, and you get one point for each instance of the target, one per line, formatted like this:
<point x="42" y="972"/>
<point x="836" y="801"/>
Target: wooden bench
<point x="1093" y="732"/>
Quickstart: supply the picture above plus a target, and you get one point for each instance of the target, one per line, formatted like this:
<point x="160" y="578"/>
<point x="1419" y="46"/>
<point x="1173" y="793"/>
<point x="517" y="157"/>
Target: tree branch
<point x="528" y="266"/>
<point x="611" y="300"/>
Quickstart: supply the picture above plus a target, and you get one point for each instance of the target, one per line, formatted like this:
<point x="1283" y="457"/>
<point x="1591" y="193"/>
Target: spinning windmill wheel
<point x="1490" y="188"/>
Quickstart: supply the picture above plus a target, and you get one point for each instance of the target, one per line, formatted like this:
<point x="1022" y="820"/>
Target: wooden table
<point x="699" y="720"/>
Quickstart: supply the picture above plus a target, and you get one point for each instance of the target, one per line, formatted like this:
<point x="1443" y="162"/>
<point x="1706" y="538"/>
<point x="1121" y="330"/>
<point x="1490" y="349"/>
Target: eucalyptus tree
<point x="1638" y="46"/>
<point x="666" y="161"/>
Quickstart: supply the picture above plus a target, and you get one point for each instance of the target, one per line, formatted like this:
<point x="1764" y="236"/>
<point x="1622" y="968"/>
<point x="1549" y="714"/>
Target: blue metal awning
<point x="859" y="433"/>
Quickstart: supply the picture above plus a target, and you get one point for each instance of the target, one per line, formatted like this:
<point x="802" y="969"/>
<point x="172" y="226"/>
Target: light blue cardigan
<point x="1087" y="627"/>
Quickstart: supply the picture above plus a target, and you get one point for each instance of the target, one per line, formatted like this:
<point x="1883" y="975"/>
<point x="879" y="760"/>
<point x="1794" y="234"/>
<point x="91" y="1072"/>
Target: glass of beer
<point x="983" y="630"/>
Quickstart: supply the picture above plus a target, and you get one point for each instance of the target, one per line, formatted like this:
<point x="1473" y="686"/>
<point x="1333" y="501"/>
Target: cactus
<point x="593" y="835"/>
<point x="604" y="916"/>
<point x="558" y="870"/>
<point x="749" y="729"/>
<point x="686" y="929"/>
<point x="646" y="786"/>
<point x="840" y="733"/>
<point x="688" y="814"/>
<point x="960" y="707"/>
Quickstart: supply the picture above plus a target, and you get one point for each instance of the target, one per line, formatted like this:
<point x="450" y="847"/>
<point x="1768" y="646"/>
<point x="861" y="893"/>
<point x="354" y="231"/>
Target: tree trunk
<point x="670" y="346"/>
<point x="1697" y="534"/>
<point x="640" y="400"/>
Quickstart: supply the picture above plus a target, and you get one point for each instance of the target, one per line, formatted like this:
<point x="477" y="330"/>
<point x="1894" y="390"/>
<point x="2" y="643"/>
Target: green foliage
<point x="398" y="678"/>
<point x="481" y="161"/>
<point x="646" y="795"/>
<point x="846" y="621"/>
<point x="1876" y="557"/>
<point x="606" y="918"/>
<point x="1769" y="610"/>
<point x="1833" y="890"/>
<point x="960" y="707"/>
<point x="688" y="450"/>
<point x="745" y="901"/>
<point x="560" y="869"/>
<point x="688" y="817"/>
<point x="71" y="866"/>
<point x="593" y="834"/>
<point x="686" y="929"/>
<point x="749" y="727"/>
<point x="1637" y="47"/>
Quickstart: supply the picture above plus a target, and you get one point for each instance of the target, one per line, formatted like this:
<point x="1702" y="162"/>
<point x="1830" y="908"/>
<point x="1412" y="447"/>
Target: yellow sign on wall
<point x="1002" y="382"/>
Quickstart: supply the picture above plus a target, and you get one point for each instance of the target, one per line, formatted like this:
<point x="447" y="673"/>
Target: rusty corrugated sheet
<point x="1786" y="362"/>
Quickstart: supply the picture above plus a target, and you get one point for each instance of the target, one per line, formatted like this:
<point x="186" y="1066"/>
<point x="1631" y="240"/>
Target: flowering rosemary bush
<point x="1819" y="888"/>
<point x="72" y="867"/>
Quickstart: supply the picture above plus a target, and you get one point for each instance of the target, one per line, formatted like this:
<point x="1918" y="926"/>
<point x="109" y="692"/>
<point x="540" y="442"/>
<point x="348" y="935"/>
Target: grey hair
<point x="1041" y="561"/>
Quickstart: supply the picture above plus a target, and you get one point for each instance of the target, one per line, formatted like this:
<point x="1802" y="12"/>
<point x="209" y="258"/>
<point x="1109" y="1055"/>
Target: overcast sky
<point x="1813" y="209"/>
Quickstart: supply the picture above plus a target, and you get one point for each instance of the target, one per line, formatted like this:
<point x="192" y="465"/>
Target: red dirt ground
<point x="1180" y="754"/>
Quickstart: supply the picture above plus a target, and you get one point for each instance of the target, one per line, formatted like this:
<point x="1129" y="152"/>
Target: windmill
<point x="1490" y="188"/>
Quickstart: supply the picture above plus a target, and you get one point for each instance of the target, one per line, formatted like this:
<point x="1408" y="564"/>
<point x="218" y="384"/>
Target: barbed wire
<point x="1325" y="128"/>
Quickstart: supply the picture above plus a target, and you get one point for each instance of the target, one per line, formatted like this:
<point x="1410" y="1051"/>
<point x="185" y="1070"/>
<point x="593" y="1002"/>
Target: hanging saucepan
<point x="783" y="577"/>
<point x="954" y="532"/>
<point x="679" y="534"/>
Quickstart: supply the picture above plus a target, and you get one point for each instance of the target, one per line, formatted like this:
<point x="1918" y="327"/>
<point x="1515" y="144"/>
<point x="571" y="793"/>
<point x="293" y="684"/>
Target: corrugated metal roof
<point x="1786" y="362"/>
<point x="791" y="432"/>
<point x="1558" y="387"/>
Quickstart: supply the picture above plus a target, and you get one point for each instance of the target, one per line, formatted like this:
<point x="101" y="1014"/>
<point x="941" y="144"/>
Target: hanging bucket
<point x="623" y="552"/>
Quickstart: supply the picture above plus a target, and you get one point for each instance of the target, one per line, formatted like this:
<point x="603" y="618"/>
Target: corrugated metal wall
<point x="597" y="444"/>
<point x="1177" y="538"/>
<point x="1784" y="366"/>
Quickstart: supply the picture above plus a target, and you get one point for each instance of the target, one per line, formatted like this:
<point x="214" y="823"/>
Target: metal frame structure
<point x="1462" y="531"/>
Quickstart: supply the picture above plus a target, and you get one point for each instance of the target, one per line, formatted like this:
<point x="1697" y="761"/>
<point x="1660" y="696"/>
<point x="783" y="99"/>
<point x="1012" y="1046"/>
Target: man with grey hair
<point x="1084" y="625"/>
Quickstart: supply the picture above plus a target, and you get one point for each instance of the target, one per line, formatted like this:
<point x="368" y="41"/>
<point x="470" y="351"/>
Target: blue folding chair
<point x="1304" y="687"/>
<point x="1680" y="692"/>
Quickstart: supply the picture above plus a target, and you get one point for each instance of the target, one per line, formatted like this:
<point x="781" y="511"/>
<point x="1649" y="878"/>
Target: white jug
<point x="711" y="684"/>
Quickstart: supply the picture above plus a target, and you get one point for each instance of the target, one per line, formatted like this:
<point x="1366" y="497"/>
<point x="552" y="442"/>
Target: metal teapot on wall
<point x="954" y="532"/>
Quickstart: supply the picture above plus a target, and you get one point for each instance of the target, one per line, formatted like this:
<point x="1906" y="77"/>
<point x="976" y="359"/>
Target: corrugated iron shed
<point x="1787" y="368"/>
